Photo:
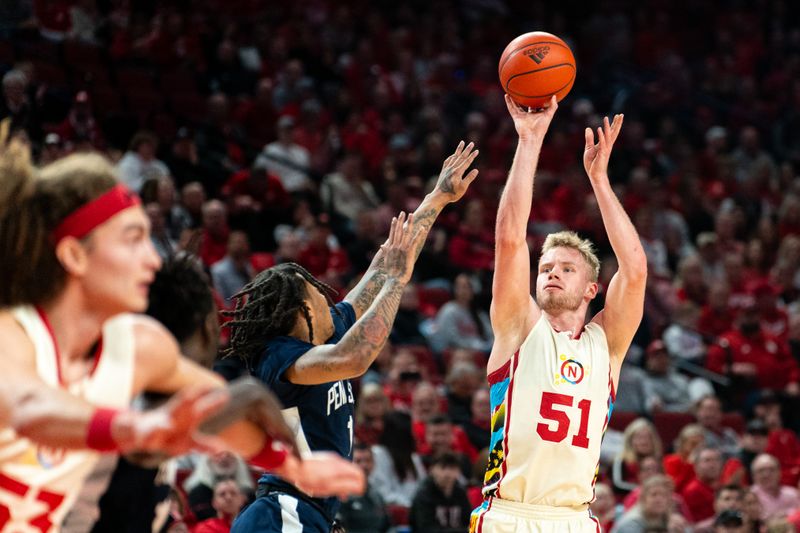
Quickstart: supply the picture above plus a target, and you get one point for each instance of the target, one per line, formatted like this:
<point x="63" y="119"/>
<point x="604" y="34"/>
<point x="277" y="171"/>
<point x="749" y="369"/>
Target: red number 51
<point x="548" y="411"/>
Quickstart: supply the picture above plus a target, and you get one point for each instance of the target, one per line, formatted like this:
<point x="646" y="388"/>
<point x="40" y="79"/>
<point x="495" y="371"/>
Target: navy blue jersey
<point x="320" y="415"/>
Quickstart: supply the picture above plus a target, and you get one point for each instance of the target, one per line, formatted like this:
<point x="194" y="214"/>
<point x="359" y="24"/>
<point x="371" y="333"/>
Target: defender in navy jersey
<point x="307" y="349"/>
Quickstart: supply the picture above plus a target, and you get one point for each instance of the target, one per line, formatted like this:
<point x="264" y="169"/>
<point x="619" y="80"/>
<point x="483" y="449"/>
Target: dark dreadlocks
<point x="267" y="307"/>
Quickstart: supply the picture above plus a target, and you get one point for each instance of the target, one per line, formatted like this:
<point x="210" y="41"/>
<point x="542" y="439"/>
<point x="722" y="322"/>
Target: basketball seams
<point x="511" y="53"/>
<point x="571" y="80"/>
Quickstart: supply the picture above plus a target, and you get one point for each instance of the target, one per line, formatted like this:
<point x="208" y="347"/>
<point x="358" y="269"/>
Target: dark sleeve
<point x="346" y="318"/>
<point x="200" y="503"/>
<point x="282" y="354"/>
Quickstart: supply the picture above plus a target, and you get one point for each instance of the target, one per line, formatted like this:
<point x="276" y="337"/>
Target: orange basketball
<point x="535" y="66"/>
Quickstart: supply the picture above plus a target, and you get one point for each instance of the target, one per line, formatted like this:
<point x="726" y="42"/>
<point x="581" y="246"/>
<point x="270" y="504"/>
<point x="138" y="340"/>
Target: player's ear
<point x="591" y="290"/>
<point x="72" y="256"/>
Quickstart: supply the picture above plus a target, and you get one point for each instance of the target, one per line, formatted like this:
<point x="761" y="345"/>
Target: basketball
<point x="535" y="66"/>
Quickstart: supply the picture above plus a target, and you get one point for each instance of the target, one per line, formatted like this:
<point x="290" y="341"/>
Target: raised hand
<point x="400" y="247"/>
<point x="324" y="474"/>
<point x="531" y="124"/>
<point x="596" y="156"/>
<point x="452" y="184"/>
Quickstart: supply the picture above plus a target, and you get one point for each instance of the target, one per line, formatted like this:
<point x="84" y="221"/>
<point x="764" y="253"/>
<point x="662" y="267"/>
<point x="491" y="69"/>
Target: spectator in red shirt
<point x="214" y="236"/>
<point x="754" y="442"/>
<point x="774" y="320"/>
<point x="322" y="260"/>
<point x="427" y="408"/>
<point x="371" y="408"/>
<point x="728" y="498"/>
<point x="699" y="493"/>
<point x="80" y="123"/>
<point x="782" y="443"/>
<point x="716" y="316"/>
<point x="228" y="501"/>
<point x="678" y="465"/>
<point x="752" y="355"/>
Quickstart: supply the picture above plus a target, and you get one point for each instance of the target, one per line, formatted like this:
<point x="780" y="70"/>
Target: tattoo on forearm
<point x="369" y="334"/>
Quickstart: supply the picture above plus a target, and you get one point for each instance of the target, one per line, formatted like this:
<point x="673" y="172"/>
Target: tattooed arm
<point x="355" y="352"/>
<point x="450" y="187"/>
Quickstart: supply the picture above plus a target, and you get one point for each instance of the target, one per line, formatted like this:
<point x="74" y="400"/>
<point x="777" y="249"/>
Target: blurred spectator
<point x="665" y="388"/>
<point x="461" y="382"/>
<point x="52" y="149"/>
<point x="84" y="21"/>
<point x="640" y="440"/>
<point x="681" y="338"/>
<point x="215" y="232"/>
<point x="441" y="436"/>
<point x="398" y="468"/>
<point x="164" y="244"/>
<point x="371" y="408"/>
<point x="753" y="357"/>
<point x="708" y="253"/>
<point x="709" y="415"/>
<point x="139" y="163"/>
<point x="472" y="246"/>
<point x="479" y="427"/>
<point x="441" y="505"/>
<point x="777" y="500"/>
<point x="678" y="465"/>
<point x="782" y="443"/>
<point x="774" y="320"/>
<point x="361" y="249"/>
<point x="324" y="260"/>
<point x="404" y="375"/>
<point x="17" y="107"/>
<point x="604" y="507"/>
<point x="749" y="159"/>
<point x="699" y="492"/>
<point x="289" y="245"/>
<point x="365" y="513"/>
<point x="729" y="521"/>
<point x="752" y="511"/>
<point x="691" y="281"/>
<point x="286" y="159"/>
<point x="80" y="124"/>
<point x="631" y="396"/>
<point x="235" y="270"/>
<point x="227" y="502"/>
<point x="461" y="323"/>
<point x="716" y="317"/>
<point x="184" y="161"/>
<point x="176" y="218"/>
<point x="208" y="471"/>
<point x="406" y="326"/>
<point x="652" y="511"/>
<point x="346" y="193"/>
<point x="753" y="443"/>
<point x="193" y="197"/>
<point x="728" y="499"/>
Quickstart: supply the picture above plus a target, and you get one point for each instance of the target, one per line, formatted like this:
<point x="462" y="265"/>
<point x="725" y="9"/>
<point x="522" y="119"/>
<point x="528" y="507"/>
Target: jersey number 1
<point x="548" y="411"/>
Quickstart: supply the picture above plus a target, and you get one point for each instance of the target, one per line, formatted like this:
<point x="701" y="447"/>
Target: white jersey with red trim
<point x="38" y="484"/>
<point x="550" y="406"/>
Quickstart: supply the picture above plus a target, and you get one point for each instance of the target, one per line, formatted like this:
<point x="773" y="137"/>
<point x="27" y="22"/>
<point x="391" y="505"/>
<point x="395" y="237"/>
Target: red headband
<point x="87" y="217"/>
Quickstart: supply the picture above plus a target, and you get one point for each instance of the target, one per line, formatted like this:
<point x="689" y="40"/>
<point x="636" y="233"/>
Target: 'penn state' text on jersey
<point x="320" y="415"/>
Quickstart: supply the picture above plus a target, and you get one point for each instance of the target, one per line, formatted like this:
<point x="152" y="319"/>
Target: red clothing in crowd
<point x="680" y="470"/>
<point x="713" y="322"/>
<point x="461" y="443"/>
<point x="322" y="260"/>
<point x="784" y="445"/>
<point x="776" y="367"/>
<point x="213" y="249"/>
<point x="699" y="497"/>
<point x="472" y="250"/>
<point x="269" y="194"/>
<point x="213" y="525"/>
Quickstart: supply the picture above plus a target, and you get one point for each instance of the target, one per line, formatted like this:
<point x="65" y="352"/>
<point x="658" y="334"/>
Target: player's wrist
<point x="273" y="455"/>
<point x="107" y="429"/>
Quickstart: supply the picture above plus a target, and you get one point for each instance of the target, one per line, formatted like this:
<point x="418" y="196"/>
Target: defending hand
<point x="596" y="156"/>
<point x="452" y="184"/>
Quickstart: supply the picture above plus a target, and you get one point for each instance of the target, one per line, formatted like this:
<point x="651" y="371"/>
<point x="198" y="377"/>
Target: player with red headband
<point x="77" y="261"/>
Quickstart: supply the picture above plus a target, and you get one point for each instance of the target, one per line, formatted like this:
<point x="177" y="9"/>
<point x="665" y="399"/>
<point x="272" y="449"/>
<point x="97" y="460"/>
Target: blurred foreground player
<point x="307" y="349"/>
<point x="552" y="376"/>
<point x="77" y="259"/>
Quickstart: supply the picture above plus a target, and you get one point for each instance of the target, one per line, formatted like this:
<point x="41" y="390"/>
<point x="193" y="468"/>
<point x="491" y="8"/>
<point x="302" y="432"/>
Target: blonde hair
<point x="570" y="239"/>
<point x="628" y="455"/>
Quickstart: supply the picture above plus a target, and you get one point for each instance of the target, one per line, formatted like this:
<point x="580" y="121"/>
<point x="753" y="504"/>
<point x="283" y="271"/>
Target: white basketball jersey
<point x="550" y="406"/>
<point x="38" y="484"/>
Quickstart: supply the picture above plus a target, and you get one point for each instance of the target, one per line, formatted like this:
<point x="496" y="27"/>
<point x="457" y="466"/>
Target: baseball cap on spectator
<point x="729" y="518"/>
<point x="756" y="427"/>
<point x="767" y="397"/>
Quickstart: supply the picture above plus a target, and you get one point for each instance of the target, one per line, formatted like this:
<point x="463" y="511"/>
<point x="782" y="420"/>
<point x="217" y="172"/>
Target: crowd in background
<point x="259" y="133"/>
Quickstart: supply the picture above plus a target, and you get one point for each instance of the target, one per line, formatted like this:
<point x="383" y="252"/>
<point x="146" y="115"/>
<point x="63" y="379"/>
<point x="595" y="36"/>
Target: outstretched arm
<point x="358" y="348"/>
<point x="450" y="187"/>
<point x="513" y="310"/>
<point x="625" y="297"/>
